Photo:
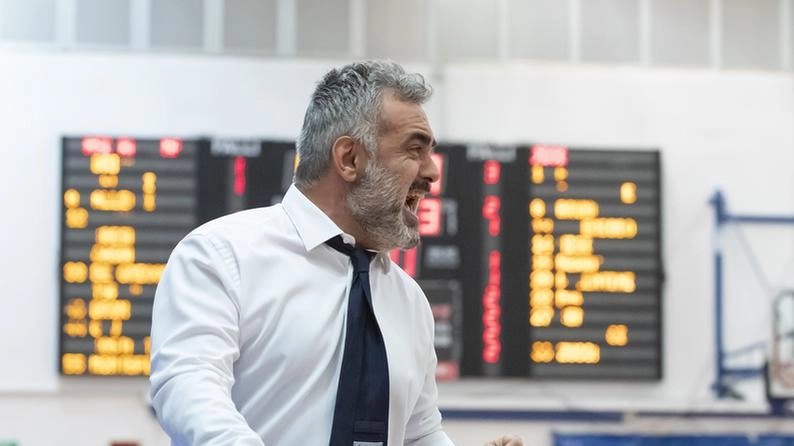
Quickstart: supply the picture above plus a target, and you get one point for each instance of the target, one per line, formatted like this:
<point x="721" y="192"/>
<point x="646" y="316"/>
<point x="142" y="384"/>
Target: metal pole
<point x="719" y="209"/>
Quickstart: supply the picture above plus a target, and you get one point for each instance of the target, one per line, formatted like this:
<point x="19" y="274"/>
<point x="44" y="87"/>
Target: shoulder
<point x="240" y="224"/>
<point x="233" y="234"/>
<point x="407" y="281"/>
<point x="413" y="293"/>
<point x="245" y="229"/>
<point x="219" y="245"/>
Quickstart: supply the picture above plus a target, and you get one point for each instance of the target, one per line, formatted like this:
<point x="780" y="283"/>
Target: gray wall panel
<point x="680" y="32"/>
<point x="539" y="29"/>
<point x="467" y="29"/>
<point x="750" y="34"/>
<point x="103" y="22"/>
<point x="32" y="20"/>
<point x="177" y="23"/>
<point x="323" y="26"/>
<point x="610" y="31"/>
<point x="250" y="25"/>
<point x="397" y="30"/>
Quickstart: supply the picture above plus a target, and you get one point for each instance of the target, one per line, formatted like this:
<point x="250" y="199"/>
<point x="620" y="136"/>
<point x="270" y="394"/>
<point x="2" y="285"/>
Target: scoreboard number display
<point x="593" y="263"/>
<point x="538" y="261"/>
<point x="125" y="204"/>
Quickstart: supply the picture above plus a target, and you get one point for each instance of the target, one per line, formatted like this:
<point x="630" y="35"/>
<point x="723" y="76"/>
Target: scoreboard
<point x="538" y="261"/>
<point x="593" y="266"/>
<point x="125" y="204"/>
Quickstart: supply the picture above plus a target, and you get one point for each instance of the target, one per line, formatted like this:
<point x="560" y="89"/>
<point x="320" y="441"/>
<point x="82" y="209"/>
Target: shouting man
<point x="289" y="325"/>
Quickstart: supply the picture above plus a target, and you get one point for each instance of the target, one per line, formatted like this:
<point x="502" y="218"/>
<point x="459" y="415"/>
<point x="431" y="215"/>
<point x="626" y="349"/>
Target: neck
<point x="332" y="200"/>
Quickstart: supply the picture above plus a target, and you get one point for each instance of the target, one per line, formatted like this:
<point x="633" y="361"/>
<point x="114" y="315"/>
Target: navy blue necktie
<point x="361" y="416"/>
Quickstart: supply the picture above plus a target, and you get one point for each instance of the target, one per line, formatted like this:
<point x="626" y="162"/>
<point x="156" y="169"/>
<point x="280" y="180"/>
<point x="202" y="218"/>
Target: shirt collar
<point x="314" y="226"/>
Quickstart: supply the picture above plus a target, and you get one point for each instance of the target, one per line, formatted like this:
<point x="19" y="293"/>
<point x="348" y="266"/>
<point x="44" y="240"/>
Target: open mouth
<point x="412" y="201"/>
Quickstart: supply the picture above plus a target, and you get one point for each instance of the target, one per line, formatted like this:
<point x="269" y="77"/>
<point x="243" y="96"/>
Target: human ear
<point x="347" y="158"/>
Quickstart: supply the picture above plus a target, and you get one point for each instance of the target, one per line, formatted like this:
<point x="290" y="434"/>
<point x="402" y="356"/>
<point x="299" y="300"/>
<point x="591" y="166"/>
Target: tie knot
<point x="359" y="256"/>
<point x="361" y="259"/>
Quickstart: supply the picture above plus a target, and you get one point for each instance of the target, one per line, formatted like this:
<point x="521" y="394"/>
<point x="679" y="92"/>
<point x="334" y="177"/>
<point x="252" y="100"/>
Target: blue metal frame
<point x="688" y="439"/>
<point x="723" y="217"/>
<point x="592" y="416"/>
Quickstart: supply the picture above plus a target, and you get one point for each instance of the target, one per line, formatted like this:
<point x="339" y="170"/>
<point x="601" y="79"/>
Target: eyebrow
<point x="423" y="138"/>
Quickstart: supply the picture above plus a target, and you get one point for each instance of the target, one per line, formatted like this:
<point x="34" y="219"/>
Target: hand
<point x="506" y="440"/>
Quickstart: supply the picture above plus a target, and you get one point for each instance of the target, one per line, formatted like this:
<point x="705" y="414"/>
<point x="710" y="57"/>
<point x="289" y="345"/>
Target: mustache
<point x="421" y="185"/>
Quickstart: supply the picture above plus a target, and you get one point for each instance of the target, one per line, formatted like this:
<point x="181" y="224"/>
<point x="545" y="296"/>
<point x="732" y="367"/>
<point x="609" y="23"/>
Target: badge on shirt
<point x="367" y="443"/>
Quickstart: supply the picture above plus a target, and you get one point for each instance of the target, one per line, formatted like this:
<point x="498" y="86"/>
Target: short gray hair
<point x="347" y="102"/>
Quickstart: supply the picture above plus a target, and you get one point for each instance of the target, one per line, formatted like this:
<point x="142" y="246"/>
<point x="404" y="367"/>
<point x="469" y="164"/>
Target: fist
<point x="506" y="440"/>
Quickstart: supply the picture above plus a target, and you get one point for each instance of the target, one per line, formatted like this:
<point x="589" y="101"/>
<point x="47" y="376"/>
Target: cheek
<point x="410" y="172"/>
<point x="405" y="174"/>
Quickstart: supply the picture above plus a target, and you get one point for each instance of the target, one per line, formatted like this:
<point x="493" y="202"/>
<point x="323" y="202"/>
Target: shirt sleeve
<point x="195" y="341"/>
<point x="424" y="425"/>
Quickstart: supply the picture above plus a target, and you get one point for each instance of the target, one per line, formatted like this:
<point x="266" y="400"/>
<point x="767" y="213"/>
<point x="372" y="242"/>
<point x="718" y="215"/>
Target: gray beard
<point x="377" y="204"/>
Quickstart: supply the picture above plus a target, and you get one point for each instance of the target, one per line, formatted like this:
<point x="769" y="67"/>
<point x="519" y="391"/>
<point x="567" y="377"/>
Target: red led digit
<point x="492" y="310"/>
<point x="126" y="147"/>
<point x="495" y="266"/>
<point x="429" y="213"/>
<point x="93" y="145"/>
<point x="495" y="226"/>
<point x="239" y="175"/>
<point x="409" y="262"/>
<point x="170" y="147"/>
<point x="491" y="172"/>
<point x="490" y="207"/>
<point x="490" y="211"/>
<point x="549" y="156"/>
<point x="406" y="260"/>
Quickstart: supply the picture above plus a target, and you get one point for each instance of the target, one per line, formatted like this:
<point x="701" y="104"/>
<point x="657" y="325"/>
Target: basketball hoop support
<point x="725" y="374"/>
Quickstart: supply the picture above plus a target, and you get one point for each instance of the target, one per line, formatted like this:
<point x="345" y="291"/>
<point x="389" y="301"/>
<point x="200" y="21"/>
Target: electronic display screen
<point x="126" y="203"/>
<point x="593" y="266"/>
<point x="539" y="261"/>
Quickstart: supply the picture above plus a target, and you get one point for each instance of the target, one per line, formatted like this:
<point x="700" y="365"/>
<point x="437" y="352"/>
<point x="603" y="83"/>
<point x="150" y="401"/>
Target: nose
<point x="430" y="170"/>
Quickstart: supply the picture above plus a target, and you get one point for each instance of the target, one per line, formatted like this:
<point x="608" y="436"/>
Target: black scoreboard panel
<point x="126" y="203"/>
<point x="589" y="257"/>
<point x="538" y="261"/>
<point x="560" y="262"/>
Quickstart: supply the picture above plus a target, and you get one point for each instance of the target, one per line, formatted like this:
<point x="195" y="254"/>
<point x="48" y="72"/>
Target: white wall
<point x="705" y="122"/>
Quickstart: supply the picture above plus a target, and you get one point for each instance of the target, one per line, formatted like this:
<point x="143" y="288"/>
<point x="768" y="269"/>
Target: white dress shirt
<point x="248" y="334"/>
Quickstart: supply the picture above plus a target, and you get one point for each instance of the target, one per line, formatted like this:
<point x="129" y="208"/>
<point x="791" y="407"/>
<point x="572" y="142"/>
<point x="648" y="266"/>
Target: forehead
<point x="402" y="116"/>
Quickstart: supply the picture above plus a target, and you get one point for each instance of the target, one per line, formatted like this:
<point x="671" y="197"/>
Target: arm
<point x="424" y="426"/>
<point x="195" y="341"/>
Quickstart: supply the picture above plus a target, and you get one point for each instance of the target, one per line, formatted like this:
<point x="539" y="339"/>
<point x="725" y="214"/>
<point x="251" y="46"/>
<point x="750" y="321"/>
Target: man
<point x="270" y="328"/>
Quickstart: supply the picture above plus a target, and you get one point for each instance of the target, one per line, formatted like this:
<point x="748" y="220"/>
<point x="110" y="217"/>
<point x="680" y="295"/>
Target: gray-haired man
<point x="251" y="320"/>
